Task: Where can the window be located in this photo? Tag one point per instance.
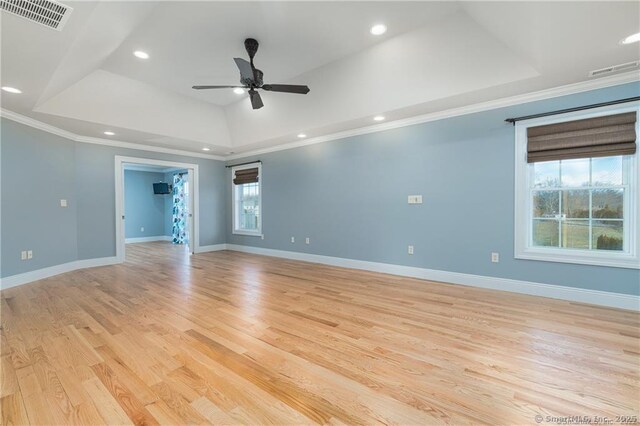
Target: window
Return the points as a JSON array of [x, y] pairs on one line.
[[577, 210], [247, 197]]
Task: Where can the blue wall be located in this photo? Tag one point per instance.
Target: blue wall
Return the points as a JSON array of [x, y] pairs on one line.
[[143, 208], [350, 197], [38, 168], [35, 177]]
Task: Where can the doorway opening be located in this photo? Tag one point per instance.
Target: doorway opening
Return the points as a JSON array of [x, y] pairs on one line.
[[156, 203]]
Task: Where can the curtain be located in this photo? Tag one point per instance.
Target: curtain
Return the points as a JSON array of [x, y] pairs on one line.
[[179, 210]]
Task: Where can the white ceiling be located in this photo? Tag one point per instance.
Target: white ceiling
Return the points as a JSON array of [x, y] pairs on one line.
[[434, 56]]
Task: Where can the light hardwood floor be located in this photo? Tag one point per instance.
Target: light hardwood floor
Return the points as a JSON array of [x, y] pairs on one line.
[[230, 338]]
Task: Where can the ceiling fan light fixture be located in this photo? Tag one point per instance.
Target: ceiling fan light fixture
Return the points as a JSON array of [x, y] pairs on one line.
[[11, 89], [302, 135], [206, 149], [378, 118], [633, 38], [378, 29], [238, 91], [109, 133], [141, 54]]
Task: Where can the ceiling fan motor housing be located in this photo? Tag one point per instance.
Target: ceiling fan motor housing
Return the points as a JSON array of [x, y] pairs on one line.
[[251, 45], [257, 82]]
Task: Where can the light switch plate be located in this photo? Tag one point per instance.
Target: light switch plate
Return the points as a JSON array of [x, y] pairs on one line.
[[63, 203], [414, 199], [410, 250], [29, 254], [307, 240], [495, 257], [23, 255]]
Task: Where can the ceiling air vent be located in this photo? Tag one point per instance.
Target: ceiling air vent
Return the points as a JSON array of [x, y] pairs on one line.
[[614, 68], [44, 12]]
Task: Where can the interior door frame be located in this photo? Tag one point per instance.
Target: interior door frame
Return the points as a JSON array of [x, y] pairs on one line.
[[194, 199]]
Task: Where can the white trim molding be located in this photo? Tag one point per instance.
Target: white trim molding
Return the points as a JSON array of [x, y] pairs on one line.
[[194, 198], [569, 89], [234, 204], [583, 86], [147, 239], [523, 246], [573, 294], [31, 122], [40, 274], [215, 247]]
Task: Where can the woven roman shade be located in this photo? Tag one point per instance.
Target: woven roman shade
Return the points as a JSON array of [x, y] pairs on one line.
[[246, 176], [592, 137]]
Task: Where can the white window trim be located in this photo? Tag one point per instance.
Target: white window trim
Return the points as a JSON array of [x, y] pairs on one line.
[[235, 230], [523, 211]]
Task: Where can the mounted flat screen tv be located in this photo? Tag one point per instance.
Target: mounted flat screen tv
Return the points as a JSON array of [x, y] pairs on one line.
[[161, 188]]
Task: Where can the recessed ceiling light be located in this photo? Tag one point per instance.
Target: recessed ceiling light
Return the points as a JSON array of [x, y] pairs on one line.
[[633, 38], [238, 91], [11, 89], [206, 149], [108, 133], [141, 54], [378, 118], [378, 29], [302, 135]]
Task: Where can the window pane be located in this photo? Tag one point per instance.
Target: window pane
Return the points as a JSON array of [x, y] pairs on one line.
[[575, 204], [607, 235], [248, 207], [545, 233], [607, 203], [575, 234], [546, 174], [546, 204], [575, 173], [606, 171]]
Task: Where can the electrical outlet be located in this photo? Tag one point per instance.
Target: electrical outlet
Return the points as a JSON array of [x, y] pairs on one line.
[[495, 257], [414, 199], [23, 255], [142, 229], [307, 240], [29, 254], [63, 203], [410, 249], [293, 239]]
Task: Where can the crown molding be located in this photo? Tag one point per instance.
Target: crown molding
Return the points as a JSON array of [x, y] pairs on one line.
[[31, 122], [569, 89]]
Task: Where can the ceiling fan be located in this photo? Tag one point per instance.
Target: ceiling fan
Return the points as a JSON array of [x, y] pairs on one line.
[[251, 78]]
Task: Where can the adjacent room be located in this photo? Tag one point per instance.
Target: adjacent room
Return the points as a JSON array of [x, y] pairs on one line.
[[319, 212], [157, 205]]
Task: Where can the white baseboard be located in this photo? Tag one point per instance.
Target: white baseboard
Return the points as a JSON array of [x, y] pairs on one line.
[[148, 239], [39, 274], [594, 297], [215, 247]]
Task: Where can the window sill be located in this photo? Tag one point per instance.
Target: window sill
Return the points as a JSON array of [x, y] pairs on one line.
[[617, 260], [248, 233]]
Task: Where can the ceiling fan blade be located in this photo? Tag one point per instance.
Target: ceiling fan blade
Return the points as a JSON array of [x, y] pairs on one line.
[[256, 100], [217, 87], [246, 70], [286, 88]]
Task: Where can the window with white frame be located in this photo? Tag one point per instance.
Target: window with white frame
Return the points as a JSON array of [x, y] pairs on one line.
[[247, 197], [578, 210]]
